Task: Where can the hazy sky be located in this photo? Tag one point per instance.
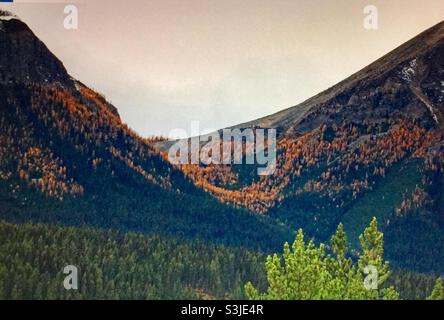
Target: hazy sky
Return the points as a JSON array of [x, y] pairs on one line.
[[164, 63]]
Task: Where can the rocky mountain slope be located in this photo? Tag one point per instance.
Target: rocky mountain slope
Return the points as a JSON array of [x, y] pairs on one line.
[[371, 145]]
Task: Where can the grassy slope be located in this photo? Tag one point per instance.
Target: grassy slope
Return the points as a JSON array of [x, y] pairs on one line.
[[382, 200]]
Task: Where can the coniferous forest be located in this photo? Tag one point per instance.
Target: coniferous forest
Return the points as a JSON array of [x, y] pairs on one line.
[[115, 265]]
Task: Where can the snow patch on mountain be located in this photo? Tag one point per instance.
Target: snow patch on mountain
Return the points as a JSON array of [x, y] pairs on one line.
[[7, 18], [408, 72], [6, 15]]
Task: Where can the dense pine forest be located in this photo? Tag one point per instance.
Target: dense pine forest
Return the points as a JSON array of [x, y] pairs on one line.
[[115, 265]]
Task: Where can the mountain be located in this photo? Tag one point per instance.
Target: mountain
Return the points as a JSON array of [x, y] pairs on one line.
[[397, 61], [67, 158], [372, 145]]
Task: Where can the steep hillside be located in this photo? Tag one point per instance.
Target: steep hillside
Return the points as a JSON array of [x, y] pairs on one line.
[[370, 146], [66, 157]]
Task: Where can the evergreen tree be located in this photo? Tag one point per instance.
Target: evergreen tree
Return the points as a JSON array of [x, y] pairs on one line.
[[438, 291], [306, 272], [371, 259]]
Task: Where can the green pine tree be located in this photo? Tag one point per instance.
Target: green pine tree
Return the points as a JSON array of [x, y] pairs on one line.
[[305, 271], [372, 245], [437, 292]]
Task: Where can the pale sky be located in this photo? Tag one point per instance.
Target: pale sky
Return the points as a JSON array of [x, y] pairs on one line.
[[165, 63]]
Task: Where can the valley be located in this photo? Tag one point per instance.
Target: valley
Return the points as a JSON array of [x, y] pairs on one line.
[[77, 183]]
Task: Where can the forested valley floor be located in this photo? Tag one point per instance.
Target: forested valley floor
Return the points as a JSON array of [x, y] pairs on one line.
[[115, 265]]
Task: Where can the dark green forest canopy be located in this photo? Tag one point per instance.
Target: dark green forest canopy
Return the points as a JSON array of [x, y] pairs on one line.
[[116, 265]]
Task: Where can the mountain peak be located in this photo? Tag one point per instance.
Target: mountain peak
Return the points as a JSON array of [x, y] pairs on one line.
[[426, 49], [26, 59], [4, 14]]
